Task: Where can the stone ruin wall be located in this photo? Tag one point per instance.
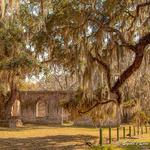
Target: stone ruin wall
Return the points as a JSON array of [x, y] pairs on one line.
[[40, 106], [44, 107]]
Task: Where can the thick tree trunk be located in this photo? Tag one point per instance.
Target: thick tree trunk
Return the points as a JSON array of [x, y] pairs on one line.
[[2, 106], [6, 103]]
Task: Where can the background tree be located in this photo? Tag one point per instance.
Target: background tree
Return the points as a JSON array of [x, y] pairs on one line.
[[16, 58]]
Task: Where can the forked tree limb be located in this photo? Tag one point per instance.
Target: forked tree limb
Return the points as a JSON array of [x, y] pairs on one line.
[[121, 37], [139, 54], [141, 5], [138, 49], [137, 13]]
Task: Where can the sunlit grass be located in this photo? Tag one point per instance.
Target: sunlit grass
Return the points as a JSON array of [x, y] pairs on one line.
[[66, 136], [41, 131]]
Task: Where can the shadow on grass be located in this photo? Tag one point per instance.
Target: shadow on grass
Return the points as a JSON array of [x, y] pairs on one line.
[[59, 142]]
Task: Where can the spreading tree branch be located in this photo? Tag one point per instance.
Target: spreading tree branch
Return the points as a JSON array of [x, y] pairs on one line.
[[141, 5], [139, 53], [97, 104], [137, 13], [121, 37]]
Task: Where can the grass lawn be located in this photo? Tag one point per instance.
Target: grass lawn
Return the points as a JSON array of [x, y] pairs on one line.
[[54, 137]]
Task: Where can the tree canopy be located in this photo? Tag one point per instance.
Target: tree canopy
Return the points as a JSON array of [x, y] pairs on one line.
[[103, 43]]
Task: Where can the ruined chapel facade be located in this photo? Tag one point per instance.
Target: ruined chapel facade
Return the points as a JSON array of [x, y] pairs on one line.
[[40, 106], [43, 107]]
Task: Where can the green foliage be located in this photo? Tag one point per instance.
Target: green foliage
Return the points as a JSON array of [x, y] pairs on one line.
[[81, 37], [140, 118], [16, 60], [110, 147], [92, 40]]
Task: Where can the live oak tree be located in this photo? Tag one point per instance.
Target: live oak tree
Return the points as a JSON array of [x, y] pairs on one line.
[[15, 63], [102, 42], [16, 59]]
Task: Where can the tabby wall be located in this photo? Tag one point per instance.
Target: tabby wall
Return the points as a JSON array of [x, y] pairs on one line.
[[40, 106], [44, 107]]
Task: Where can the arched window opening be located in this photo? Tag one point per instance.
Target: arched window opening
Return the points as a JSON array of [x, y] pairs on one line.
[[40, 109], [16, 110]]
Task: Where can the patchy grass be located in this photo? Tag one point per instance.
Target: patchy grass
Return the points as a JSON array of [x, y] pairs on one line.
[[54, 137], [107, 147], [33, 137]]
